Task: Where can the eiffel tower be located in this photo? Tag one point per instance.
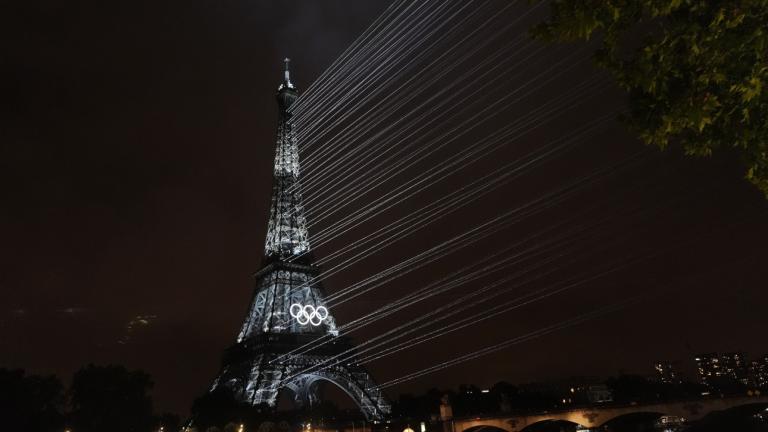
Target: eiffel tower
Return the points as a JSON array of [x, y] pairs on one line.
[[288, 309]]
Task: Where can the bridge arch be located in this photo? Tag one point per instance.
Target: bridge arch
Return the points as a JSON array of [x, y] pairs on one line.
[[552, 425], [486, 428], [636, 416], [484, 425]]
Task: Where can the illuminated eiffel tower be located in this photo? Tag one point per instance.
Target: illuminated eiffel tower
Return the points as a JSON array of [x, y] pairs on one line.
[[288, 309]]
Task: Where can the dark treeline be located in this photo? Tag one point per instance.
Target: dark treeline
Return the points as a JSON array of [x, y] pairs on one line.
[[99, 398]]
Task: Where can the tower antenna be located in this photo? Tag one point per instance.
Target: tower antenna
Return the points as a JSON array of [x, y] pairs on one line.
[[287, 61]]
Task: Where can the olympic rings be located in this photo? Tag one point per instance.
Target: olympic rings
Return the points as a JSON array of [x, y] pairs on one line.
[[308, 314]]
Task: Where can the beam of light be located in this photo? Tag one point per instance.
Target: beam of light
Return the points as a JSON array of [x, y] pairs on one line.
[[345, 56], [433, 212], [382, 58], [403, 19], [390, 200], [384, 63], [449, 282], [408, 328], [497, 263], [321, 88], [439, 210], [481, 231], [412, 87], [444, 285], [470, 236], [428, 113], [451, 309], [437, 143], [498, 309], [485, 266], [616, 306], [426, 258], [458, 306], [456, 200], [340, 151], [486, 314], [500, 222], [511, 342]]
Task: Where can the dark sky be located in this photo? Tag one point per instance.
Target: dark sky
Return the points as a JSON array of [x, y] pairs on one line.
[[136, 146]]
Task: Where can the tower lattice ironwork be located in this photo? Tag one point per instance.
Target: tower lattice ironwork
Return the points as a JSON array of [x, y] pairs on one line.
[[288, 309]]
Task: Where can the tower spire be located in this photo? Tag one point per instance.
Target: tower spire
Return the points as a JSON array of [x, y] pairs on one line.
[[286, 76], [287, 232]]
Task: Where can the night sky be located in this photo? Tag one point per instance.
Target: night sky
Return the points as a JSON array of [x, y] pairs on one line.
[[136, 148]]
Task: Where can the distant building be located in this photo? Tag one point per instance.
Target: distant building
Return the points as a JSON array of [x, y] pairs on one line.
[[718, 370], [734, 366], [599, 393], [667, 373], [576, 390], [758, 370], [708, 368]]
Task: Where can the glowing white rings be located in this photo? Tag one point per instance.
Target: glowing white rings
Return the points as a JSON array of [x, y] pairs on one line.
[[308, 314]]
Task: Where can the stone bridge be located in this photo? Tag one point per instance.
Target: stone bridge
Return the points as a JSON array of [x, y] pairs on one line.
[[596, 416]]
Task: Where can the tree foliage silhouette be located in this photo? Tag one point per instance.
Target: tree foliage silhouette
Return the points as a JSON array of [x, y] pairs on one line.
[[697, 78], [111, 398], [29, 402]]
